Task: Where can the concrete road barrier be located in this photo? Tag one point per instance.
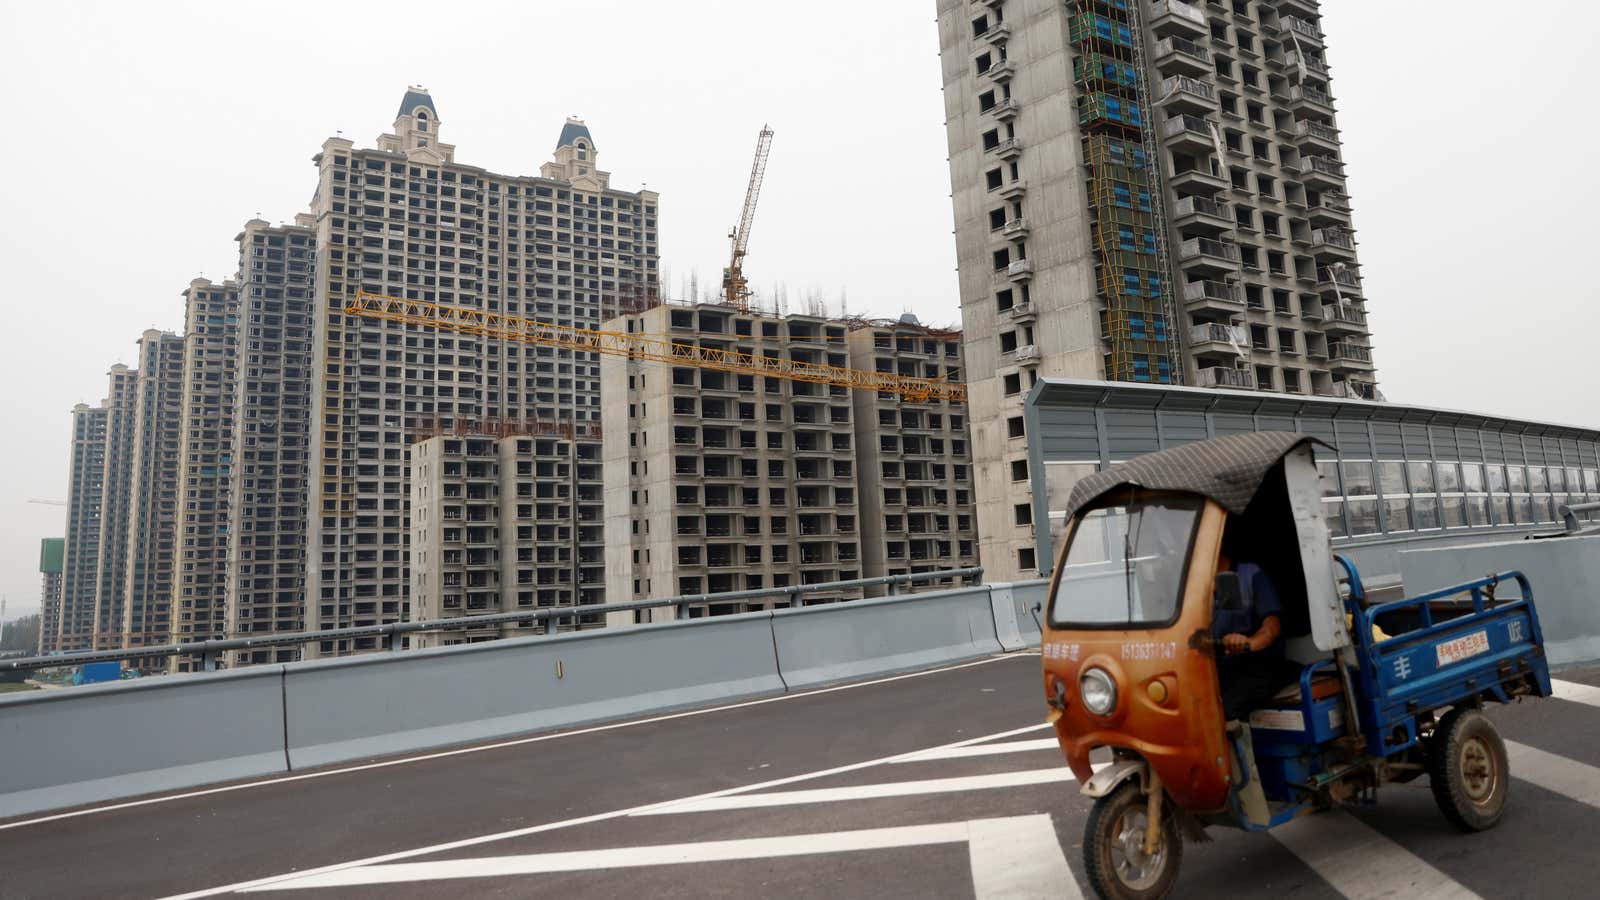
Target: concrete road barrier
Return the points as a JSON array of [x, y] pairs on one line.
[[99, 742], [1564, 574], [824, 644], [365, 706]]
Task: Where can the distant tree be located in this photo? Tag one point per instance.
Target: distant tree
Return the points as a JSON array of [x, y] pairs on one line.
[[21, 634]]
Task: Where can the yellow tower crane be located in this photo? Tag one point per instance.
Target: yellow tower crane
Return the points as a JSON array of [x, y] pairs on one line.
[[735, 289], [637, 346]]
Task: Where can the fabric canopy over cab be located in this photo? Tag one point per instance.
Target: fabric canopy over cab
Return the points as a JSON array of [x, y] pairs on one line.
[[1229, 470]]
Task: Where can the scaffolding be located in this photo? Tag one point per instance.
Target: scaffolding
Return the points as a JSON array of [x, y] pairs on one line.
[[1137, 321]]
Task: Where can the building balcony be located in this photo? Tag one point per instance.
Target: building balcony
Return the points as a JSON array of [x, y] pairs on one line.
[[1000, 72], [998, 33], [1020, 270], [1014, 229], [1322, 173], [1029, 355], [1302, 29], [1023, 312], [1190, 133], [1217, 339], [1334, 244], [1012, 190], [1337, 319], [1197, 181], [1351, 390], [1308, 133], [1226, 377], [1312, 66], [1202, 214], [1342, 355], [1212, 296], [1180, 93], [1175, 18], [1181, 56], [1010, 148], [1206, 256], [1004, 111], [1338, 282], [1330, 209], [1303, 98]]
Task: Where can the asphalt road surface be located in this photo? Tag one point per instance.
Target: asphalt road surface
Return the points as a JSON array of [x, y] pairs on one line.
[[937, 784]]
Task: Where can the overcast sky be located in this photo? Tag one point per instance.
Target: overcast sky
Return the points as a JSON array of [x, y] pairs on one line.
[[138, 137]]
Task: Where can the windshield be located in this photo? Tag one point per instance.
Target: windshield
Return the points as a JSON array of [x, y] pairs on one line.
[[1125, 564]]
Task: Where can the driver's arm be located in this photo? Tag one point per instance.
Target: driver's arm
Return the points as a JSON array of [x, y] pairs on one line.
[[1266, 635]]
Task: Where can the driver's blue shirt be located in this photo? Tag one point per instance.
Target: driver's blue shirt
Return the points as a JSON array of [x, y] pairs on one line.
[[1260, 600]]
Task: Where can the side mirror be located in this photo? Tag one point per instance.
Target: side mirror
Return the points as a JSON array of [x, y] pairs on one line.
[[1229, 593]]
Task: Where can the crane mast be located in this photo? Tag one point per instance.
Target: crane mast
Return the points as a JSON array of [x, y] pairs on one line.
[[735, 288], [637, 346]]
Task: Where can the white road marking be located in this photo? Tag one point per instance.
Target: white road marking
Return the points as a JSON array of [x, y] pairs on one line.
[[585, 820], [633, 857], [984, 750], [1019, 859], [499, 745], [1361, 863], [1559, 774], [866, 791], [1576, 692]]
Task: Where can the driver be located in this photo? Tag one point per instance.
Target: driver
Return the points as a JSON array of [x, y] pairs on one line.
[[1251, 641]]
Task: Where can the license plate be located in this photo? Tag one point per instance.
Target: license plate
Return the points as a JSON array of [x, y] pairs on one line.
[[1464, 647]]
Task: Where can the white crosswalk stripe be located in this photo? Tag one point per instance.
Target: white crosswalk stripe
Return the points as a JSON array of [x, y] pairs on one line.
[[1360, 863], [868, 791], [1558, 774], [1575, 692], [982, 750]]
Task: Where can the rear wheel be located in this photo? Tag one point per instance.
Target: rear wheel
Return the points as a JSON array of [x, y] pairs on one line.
[[1113, 848], [1468, 769]]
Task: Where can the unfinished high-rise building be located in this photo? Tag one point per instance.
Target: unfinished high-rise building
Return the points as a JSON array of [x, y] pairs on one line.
[[116, 482], [1147, 192], [153, 491], [720, 481], [271, 437], [502, 524], [405, 219], [80, 574], [52, 556], [205, 461]]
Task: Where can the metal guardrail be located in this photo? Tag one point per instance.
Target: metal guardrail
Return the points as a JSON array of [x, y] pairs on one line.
[[210, 652], [1569, 515]]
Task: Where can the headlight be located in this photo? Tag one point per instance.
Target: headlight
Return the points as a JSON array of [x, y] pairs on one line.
[[1098, 691]]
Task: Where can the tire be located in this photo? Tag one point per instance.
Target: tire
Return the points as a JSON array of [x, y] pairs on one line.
[[1113, 848], [1468, 769]]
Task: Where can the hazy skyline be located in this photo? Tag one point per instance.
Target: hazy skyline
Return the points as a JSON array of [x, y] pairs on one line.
[[140, 137]]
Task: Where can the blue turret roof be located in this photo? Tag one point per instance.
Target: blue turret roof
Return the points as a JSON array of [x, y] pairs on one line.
[[415, 98], [570, 133]]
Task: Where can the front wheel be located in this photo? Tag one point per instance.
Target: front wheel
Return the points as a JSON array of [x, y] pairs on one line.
[[1113, 848], [1468, 769]]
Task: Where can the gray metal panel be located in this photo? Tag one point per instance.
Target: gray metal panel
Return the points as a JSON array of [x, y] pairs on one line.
[[1415, 437], [365, 706], [1226, 423], [1182, 427], [1386, 439], [99, 742], [1444, 442], [1275, 422], [820, 645], [1494, 449], [1067, 433], [1130, 433], [1318, 425], [1469, 443], [1354, 441]]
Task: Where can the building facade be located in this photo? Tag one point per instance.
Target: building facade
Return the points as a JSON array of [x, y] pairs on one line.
[[405, 219], [264, 584], [1144, 192], [211, 322], [502, 524], [153, 492], [80, 575], [52, 558], [110, 598]]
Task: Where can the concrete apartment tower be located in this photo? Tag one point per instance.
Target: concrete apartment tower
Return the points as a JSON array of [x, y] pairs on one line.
[[719, 481], [405, 219], [116, 482], [1146, 192], [81, 563], [52, 555], [205, 461], [153, 491], [271, 438]]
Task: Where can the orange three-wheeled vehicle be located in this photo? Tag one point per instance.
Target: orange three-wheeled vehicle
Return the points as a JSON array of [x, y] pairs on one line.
[[1131, 662]]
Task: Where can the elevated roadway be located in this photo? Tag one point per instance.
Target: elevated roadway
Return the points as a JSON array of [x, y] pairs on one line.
[[936, 784]]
